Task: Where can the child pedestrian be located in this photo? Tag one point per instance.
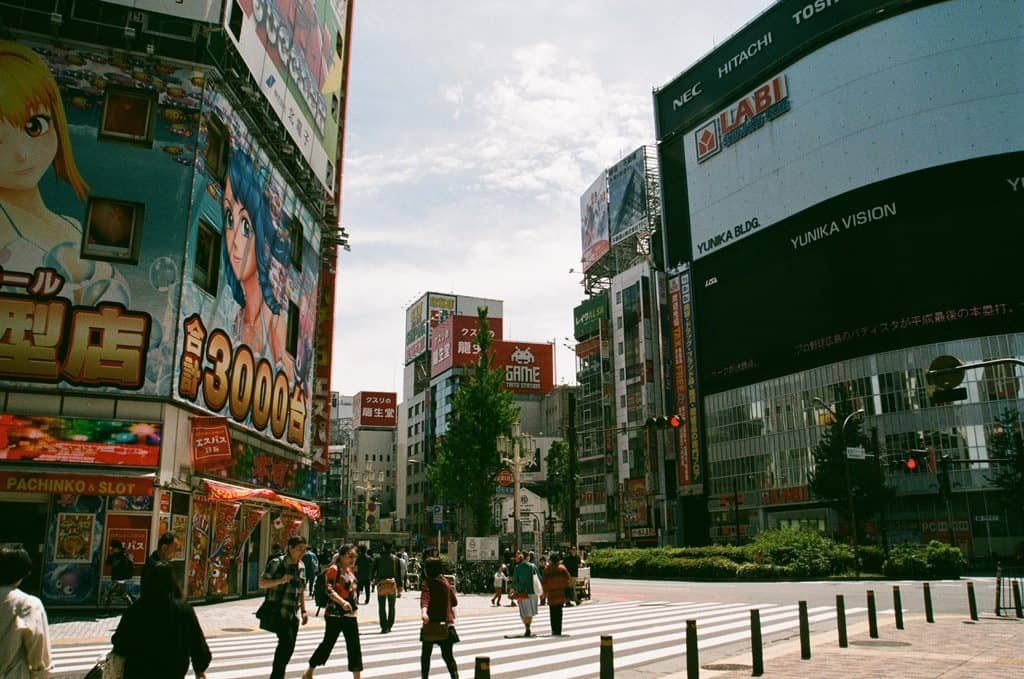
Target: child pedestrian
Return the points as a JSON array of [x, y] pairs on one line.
[[499, 584]]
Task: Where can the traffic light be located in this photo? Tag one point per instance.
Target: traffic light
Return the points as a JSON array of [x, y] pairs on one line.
[[664, 422], [917, 462]]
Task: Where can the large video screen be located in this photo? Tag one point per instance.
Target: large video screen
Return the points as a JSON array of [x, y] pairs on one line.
[[928, 256]]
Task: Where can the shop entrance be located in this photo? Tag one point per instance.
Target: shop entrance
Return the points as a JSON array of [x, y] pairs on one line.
[[25, 524]]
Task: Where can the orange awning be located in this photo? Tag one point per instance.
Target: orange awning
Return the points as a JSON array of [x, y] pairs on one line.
[[220, 491]]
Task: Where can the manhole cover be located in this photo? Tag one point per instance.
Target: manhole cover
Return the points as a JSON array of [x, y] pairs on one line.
[[882, 643], [236, 629], [726, 667]]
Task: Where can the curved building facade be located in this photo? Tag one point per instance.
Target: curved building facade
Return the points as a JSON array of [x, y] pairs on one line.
[[843, 195]]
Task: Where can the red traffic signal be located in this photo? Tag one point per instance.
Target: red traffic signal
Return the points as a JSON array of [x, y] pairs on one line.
[[673, 421], [664, 422], [910, 464]]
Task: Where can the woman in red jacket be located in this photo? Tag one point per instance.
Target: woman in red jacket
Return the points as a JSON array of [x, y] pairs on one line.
[[436, 603], [555, 581], [340, 617]]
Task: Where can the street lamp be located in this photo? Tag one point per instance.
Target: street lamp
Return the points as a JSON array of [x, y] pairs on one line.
[[367, 487], [515, 445], [846, 467]]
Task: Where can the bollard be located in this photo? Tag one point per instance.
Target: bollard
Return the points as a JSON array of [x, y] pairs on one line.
[[1016, 599], [929, 615], [692, 658], [607, 658], [805, 633], [872, 615], [841, 620], [897, 604], [482, 669], [756, 650], [972, 603]]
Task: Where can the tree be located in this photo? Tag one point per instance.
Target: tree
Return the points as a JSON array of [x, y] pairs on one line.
[[557, 486], [828, 479], [467, 461], [1007, 447]]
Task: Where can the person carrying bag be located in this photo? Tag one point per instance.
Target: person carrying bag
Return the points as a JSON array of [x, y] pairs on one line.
[[285, 581], [340, 617], [437, 603]]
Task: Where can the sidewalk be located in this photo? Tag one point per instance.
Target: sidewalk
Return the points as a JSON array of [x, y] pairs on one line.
[[233, 617], [992, 648]]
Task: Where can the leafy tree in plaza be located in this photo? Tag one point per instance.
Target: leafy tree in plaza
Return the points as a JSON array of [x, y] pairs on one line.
[[1006, 445], [467, 462], [828, 481], [557, 487]]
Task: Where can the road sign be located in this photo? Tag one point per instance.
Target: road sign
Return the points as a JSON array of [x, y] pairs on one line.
[[855, 452], [438, 512], [945, 372], [505, 478]]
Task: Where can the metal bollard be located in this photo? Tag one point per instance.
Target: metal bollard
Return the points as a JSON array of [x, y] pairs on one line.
[[872, 615], [1016, 599], [482, 669], [929, 614], [841, 620], [607, 658], [897, 604], [692, 657], [972, 602], [805, 633], [756, 650]]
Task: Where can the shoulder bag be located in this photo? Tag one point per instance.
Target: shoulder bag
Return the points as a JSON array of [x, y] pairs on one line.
[[538, 588], [435, 631], [269, 612]]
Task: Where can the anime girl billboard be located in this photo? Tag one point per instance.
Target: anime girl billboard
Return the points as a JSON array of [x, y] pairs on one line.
[[246, 349]]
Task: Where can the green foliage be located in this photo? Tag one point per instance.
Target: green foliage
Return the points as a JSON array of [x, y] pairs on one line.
[[806, 553], [1006, 446], [557, 487], [467, 460], [934, 560], [763, 571], [871, 558]]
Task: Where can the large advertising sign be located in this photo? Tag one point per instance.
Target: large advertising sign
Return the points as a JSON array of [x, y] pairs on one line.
[[453, 343], [925, 257], [684, 378], [789, 27], [427, 313], [594, 221], [73, 440], [320, 408], [627, 195], [863, 108], [71, 316], [529, 367], [294, 50], [375, 409], [245, 343], [200, 10], [587, 316]]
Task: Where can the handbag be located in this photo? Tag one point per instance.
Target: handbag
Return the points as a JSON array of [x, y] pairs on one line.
[[435, 631], [538, 588], [387, 587], [269, 615]]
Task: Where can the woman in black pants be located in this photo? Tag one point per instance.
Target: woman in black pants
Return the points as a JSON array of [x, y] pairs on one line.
[[436, 603], [340, 617]]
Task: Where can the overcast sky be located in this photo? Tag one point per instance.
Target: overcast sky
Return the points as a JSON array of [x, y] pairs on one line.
[[473, 128]]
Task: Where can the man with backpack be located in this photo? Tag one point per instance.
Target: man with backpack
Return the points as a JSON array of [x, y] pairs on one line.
[[387, 575], [312, 564]]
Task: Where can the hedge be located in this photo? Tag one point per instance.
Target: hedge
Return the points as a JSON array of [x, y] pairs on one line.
[[934, 560]]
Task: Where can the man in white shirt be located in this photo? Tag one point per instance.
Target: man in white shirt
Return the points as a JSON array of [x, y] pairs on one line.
[[24, 631]]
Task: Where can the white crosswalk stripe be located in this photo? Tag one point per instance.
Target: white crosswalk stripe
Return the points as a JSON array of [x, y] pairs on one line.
[[643, 632]]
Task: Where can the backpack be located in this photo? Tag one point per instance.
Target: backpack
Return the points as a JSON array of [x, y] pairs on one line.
[[320, 590]]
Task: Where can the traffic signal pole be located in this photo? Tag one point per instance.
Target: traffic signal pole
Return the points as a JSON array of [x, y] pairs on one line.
[[572, 522]]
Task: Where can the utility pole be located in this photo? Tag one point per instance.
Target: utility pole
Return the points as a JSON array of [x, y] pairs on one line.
[[573, 532], [846, 472], [515, 445]]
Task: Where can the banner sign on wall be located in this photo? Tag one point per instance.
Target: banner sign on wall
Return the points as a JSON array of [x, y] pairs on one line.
[[587, 316], [627, 195], [421, 318], [594, 221], [375, 409], [75, 440], [75, 484], [222, 546], [211, 443], [320, 412], [684, 382], [453, 342], [529, 367], [251, 517], [133, 532], [200, 547]]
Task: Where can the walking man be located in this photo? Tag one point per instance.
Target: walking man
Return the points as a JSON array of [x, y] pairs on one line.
[[120, 573], [364, 572], [387, 573], [572, 564], [166, 548], [287, 576], [312, 564]]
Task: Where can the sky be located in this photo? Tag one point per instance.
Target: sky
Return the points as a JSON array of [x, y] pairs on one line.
[[473, 128]]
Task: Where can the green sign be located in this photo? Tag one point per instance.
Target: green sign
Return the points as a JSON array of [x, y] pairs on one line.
[[587, 316]]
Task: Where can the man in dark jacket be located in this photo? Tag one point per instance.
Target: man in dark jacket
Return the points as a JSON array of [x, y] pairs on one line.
[[572, 564], [166, 548], [312, 564], [364, 572], [120, 573], [387, 576]]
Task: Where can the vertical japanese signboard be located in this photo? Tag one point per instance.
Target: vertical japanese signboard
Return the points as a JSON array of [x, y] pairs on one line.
[[685, 382], [453, 343]]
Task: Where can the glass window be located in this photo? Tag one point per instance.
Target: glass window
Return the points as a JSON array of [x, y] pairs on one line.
[[127, 115], [216, 154], [113, 230], [292, 342], [207, 262], [295, 238]]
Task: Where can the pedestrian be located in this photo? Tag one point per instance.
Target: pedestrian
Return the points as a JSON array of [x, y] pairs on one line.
[[572, 564], [387, 571], [166, 549], [286, 575], [499, 584], [556, 582], [541, 567], [159, 635], [340, 618], [24, 631], [526, 594], [121, 571], [312, 564], [364, 571], [437, 603]]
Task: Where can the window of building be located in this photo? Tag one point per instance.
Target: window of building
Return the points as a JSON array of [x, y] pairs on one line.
[[113, 230], [216, 153], [128, 115], [292, 341], [235, 20], [621, 349], [295, 237], [618, 296], [618, 322], [207, 262]]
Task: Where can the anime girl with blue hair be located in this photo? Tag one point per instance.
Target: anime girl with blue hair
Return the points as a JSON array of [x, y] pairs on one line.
[[251, 248]]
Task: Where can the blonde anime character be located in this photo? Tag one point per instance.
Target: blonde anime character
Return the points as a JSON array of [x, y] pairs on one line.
[[33, 138]]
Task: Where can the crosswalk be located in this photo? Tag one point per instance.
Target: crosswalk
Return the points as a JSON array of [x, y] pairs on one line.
[[643, 632]]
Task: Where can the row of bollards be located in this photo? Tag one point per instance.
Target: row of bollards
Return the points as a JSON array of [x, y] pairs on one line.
[[607, 664]]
